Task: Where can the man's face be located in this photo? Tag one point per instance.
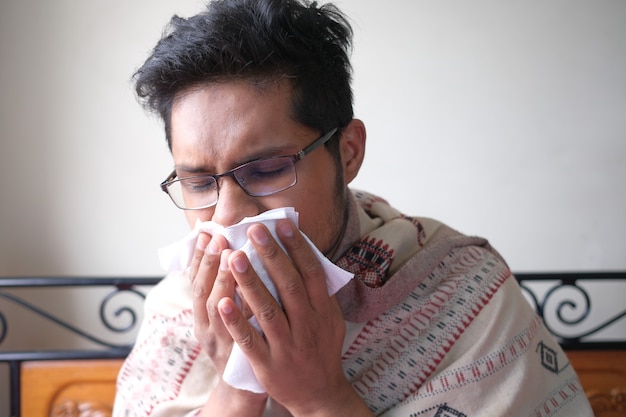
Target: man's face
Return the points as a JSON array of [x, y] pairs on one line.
[[219, 126]]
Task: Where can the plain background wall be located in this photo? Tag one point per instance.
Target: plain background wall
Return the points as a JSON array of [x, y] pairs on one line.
[[502, 119], [506, 120]]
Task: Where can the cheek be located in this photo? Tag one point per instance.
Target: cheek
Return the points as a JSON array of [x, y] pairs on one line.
[[318, 216]]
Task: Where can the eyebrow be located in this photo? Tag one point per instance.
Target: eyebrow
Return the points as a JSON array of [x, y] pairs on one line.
[[271, 152], [190, 169]]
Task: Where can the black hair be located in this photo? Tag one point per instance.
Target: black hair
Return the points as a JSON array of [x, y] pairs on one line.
[[259, 41]]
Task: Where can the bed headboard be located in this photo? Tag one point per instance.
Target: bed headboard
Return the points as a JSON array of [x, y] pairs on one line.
[[575, 307], [92, 322], [66, 323], [586, 312]]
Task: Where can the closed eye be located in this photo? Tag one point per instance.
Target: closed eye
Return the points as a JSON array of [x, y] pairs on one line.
[[266, 170], [198, 184]]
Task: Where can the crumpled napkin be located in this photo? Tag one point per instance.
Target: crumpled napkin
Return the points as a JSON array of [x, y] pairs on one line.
[[177, 257]]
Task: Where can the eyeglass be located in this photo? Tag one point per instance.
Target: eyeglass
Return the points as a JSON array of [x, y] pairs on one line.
[[258, 178]]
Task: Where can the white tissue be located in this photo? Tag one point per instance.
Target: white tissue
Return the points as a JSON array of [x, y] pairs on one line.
[[177, 256]]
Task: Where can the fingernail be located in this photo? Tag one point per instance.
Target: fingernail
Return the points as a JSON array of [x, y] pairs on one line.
[[240, 264], [285, 228], [201, 241], [225, 306], [224, 261], [213, 247], [259, 235]]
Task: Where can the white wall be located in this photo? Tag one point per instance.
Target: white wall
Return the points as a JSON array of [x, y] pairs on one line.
[[504, 119], [508, 118]]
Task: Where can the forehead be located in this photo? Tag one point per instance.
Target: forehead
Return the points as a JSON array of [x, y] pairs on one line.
[[217, 125], [219, 104]]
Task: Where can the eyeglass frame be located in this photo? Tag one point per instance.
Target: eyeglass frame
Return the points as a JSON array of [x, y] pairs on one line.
[[298, 156]]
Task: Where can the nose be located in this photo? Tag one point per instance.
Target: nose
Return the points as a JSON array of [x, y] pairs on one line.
[[233, 203]]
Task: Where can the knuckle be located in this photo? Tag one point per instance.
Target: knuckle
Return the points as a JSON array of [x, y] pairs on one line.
[[268, 314], [206, 259], [221, 282], [197, 256], [210, 347], [293, 286], [313, 267], [252, 283], [271, 252], [199, 290], [208, 343], [245, 341], [212, 310]]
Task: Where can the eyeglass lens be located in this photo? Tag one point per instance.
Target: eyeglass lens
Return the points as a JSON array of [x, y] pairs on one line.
[[257, 178]]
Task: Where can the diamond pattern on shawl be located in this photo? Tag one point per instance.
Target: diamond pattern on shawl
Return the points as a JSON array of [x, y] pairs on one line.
[[370, 260]]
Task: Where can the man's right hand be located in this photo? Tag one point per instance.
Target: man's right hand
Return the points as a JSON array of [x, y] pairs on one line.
[[210, 284]]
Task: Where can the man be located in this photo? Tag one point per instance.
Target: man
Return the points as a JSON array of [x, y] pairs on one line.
[[257, 106]]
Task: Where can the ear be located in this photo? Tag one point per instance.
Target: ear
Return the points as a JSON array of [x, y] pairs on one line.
[[352, 149]]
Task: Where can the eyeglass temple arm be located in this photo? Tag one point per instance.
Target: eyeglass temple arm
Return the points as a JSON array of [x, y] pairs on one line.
[[304, 152], [168, 179]]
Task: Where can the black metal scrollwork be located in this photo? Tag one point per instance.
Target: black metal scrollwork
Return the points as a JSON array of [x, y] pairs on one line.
[[118, 320], [125, 310], [566, 307], [3, 327]]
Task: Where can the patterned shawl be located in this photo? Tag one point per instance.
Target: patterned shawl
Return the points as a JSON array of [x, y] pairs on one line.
[[392, 255], [439, 329], [447, 331]]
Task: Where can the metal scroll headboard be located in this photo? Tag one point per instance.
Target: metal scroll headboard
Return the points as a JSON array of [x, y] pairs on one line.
[[572, 305], [582, 310], [116, 305]]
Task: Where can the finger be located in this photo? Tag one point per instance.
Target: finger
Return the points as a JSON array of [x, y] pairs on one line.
[[250, 341], [279, 267], [299, 279], [261, 302], [224, 286], [198, 253], [205, 266], [305, 261]]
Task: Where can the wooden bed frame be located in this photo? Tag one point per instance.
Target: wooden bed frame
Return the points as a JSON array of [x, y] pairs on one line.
[[81, 382]]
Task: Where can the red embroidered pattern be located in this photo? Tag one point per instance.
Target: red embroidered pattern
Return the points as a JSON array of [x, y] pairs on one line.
[[367, 200], [369, 260], [397, 352], [559, 398], [419, 228], [157, 367], [484, 367]]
